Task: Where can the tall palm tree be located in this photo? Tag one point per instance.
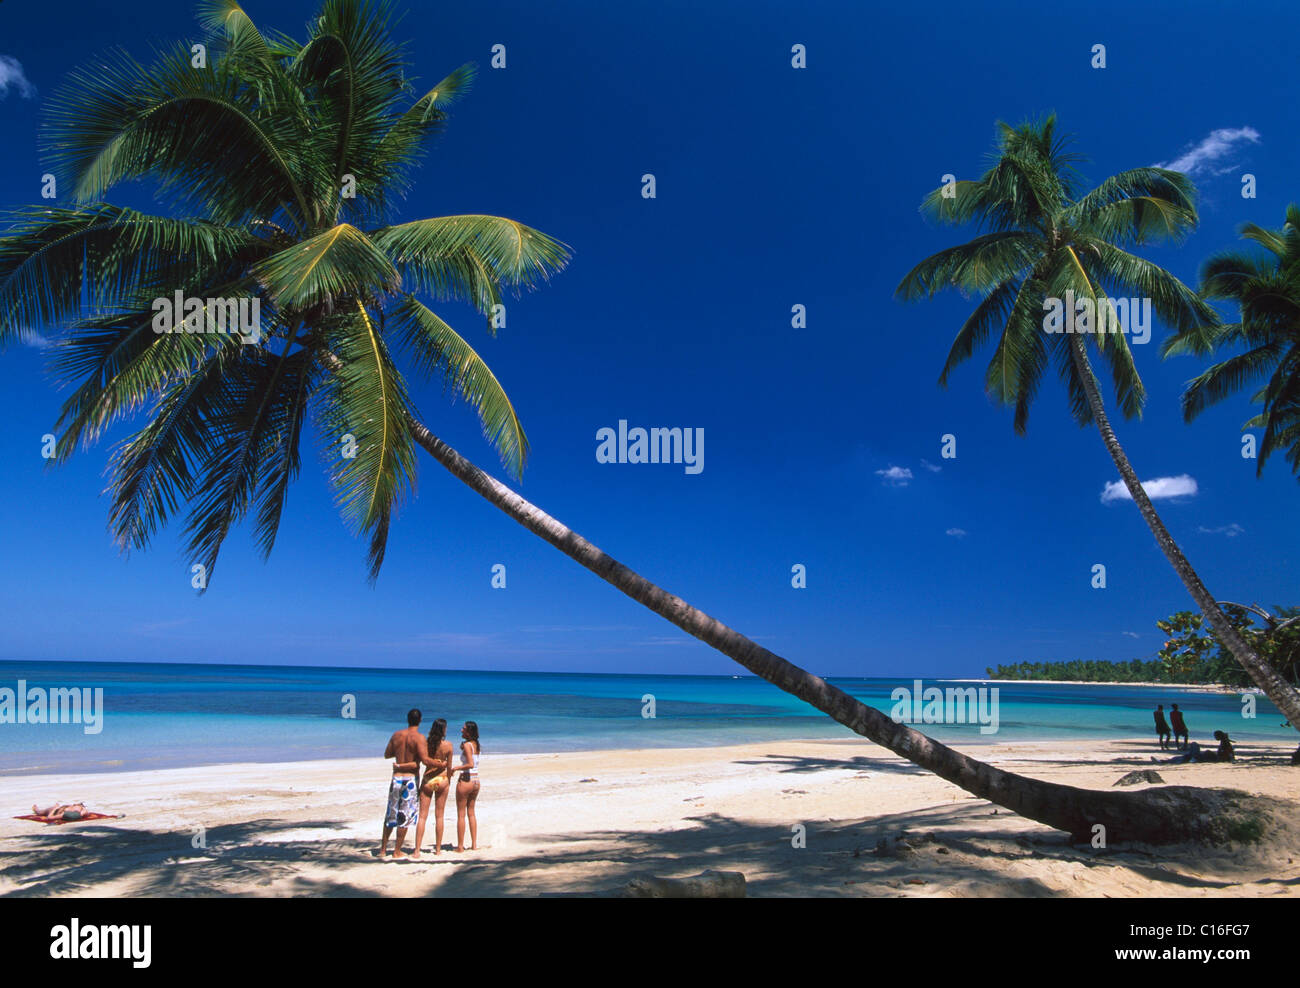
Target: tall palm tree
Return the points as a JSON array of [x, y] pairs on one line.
[[1266, 290], [1046, 238], [255, 148]]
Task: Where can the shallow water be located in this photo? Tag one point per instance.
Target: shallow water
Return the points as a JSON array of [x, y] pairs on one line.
[[159, 715]]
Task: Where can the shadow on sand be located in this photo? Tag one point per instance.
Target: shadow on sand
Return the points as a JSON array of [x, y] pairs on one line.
[[950, 849]]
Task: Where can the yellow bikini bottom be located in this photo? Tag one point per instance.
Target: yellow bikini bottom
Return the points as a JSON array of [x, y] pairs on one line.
[[438, 782]]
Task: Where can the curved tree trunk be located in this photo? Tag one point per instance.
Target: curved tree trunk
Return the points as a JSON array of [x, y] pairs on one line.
[[1162, 815], [1277, 689]]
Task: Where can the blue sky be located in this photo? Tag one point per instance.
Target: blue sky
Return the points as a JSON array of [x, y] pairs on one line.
[[776, 187]]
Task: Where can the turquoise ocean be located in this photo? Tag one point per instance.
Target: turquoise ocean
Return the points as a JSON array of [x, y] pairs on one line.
[[162, 715]]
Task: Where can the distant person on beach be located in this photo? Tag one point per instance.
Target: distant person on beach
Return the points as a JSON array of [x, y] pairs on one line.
[[1226, 754], [467, 786], [408, 751], [61, 811], [436, 785], [1193, 754], [1180, 726], [1162, 727]]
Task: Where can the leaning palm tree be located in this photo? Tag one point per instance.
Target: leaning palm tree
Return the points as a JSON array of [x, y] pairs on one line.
[[1047, 242], [254, 148], [1266, 290]]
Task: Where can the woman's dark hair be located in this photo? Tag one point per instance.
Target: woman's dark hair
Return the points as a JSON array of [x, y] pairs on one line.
[[437, 731], [472, 729]]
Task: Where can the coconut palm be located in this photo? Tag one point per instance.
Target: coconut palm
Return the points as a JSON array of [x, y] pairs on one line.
[[1047, 241], [1266, 290], [254, 149]]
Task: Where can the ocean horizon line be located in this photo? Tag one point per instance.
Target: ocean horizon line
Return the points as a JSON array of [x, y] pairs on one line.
[[742, 674], [143, 714]]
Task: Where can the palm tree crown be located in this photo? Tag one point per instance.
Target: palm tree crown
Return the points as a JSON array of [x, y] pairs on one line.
[[257, 143], [1043, 238], [1266, 288]]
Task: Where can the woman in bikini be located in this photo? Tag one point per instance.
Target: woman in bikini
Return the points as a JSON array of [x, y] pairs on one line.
[[467, 786], [436, 785]]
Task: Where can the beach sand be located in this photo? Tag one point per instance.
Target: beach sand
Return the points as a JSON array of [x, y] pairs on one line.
[[588, 821]]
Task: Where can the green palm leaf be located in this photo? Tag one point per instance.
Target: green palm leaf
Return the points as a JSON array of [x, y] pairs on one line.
[[1265, 288], [368, 412], [341, 261], [470, 257], [249, 152], [439, 349]]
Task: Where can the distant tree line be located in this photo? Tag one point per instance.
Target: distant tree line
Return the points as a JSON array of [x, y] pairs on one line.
[[1088, 671], [1191, 653]]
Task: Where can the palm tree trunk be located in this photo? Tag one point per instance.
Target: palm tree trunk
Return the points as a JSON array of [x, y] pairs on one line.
[[1276, 688], [1157, 815]]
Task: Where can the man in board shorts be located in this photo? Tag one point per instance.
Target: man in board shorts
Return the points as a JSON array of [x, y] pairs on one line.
[[403, 809]]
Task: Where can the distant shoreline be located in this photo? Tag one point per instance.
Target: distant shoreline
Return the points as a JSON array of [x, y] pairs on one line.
[[1200, 687]]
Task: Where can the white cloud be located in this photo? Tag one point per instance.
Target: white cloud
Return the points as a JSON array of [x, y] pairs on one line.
[[930, 466], [1205, 155], [11, 76], [895, 476], [1184, 485], [1130, 634], [1231, 530], [31, 338], [956, 533]]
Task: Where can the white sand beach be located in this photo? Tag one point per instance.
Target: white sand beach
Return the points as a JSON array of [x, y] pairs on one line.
[[582, 822]]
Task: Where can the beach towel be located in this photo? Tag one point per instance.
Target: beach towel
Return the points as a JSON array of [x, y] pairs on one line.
[[82, 819]]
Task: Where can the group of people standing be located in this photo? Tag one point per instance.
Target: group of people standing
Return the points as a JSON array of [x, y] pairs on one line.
[[409, 796], [1162, 728]]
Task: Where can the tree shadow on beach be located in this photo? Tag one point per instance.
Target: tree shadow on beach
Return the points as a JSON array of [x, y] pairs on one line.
[[947, 851], [59, 862], [861, 763]]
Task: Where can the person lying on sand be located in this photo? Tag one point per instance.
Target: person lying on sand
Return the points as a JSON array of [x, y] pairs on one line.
[[1195, 753], [61, 811]]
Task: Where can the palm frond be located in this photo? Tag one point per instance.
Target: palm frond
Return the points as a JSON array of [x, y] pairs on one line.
[[341, 261], [439, 349], [368, 402], [468, 257]]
